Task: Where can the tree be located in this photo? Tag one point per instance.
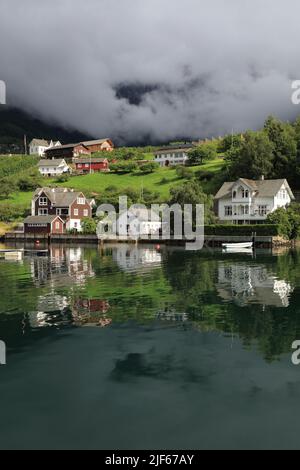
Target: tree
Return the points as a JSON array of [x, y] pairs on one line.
[[184, 172], [253, 159], [202, 153], [192, 193], [149, 167], [89, 226], [283, 137]]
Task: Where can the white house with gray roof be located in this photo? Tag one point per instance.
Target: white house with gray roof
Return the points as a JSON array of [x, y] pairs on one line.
[[39, 146], [53, 167], [251, 201]]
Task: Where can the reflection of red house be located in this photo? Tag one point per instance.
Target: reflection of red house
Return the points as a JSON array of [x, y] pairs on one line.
[[92, 305], [91, 165]]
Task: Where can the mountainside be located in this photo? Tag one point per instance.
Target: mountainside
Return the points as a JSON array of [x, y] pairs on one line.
[[14, 124]]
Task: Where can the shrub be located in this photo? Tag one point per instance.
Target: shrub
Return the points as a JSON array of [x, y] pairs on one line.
[[10, 213], [268, 230], [124, 167], [89, 226], [149, 167], [184, 172]]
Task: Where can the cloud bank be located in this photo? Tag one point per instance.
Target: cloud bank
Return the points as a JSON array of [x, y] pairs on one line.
[[151, 69]]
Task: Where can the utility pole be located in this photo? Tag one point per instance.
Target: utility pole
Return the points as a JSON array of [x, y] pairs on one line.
[[25, 144]]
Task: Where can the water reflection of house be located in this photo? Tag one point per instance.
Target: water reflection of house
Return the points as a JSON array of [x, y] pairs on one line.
[[252, 284], [64, 266], [52, 310], [130, 258], [172, 316], [91, 312]]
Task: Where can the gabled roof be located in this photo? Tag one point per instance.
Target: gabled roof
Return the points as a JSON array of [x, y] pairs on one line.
[[39, 142], [96, 142], [90, 160], [41, 219], [263, 188], [59, 197], [67, 146], [51, 163], [174, 149]]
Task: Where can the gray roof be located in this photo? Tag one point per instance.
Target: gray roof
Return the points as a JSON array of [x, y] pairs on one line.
[[51, 163], [95, 142], [90, 160], [40, 219], [40, 142], [175, 149], [59, 197], [263, 188], [67, 146]]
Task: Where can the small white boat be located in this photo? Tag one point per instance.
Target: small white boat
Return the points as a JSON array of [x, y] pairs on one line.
[[238, 246]]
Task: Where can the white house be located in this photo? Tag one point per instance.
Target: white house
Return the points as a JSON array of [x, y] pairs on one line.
[[171, 156], [138, 222], [39, 146], [135, 223], [251, 201], [246, 284], [53, 167]]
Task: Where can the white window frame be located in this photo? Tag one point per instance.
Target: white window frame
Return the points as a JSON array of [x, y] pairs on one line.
[[43, 201], [76, 212]]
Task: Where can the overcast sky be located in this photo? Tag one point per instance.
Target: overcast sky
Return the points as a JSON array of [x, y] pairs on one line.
[[209, 65]]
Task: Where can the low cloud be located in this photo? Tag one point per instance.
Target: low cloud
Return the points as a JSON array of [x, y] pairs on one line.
[[151, 69]]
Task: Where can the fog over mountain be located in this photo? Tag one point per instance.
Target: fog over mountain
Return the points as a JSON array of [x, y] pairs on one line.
[[151, 70]]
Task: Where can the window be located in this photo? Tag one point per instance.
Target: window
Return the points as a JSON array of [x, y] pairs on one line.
[[43, 201], [262, 210], [283, 194], [79, 165], [85, 213], [75, 211], [43, 211], [234, 195], [86, 165], [57, 225], [81, 200], [245, 193], [228, 210]]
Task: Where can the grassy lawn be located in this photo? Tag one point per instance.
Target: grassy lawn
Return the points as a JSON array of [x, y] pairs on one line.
[[160, 181]]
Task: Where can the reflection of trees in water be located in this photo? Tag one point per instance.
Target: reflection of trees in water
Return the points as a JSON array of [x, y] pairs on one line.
[[269, 321]]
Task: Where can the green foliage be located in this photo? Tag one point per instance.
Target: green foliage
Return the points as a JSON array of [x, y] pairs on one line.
[[253, 158], [192, 193], [148, 168], [13, 165], [288, 220], [268, 230], [283, 137], [10, 213], [89, 226], [123, 167], [64, 178], [30, 182], [229, 142], [184, 172], [202, 153]]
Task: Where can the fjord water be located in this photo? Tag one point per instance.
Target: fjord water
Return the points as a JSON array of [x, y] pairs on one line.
[[132, 348]]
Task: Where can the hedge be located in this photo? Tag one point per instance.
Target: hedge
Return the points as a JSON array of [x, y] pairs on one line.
[[262, 230]]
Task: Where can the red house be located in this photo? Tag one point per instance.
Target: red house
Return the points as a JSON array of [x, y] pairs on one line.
[[91, 165], [100, 145], [44, 225]]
